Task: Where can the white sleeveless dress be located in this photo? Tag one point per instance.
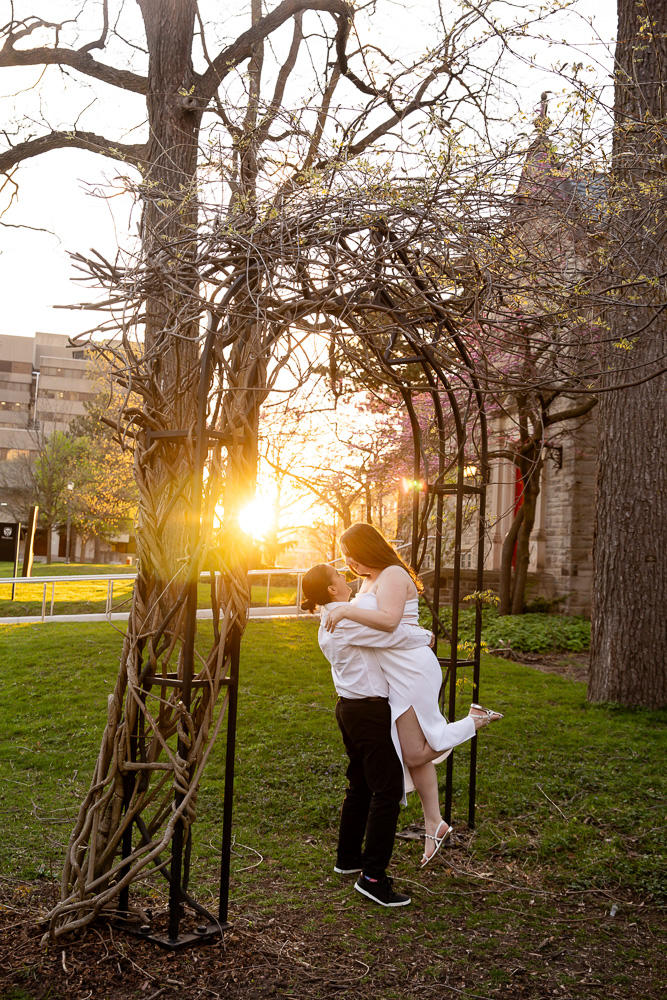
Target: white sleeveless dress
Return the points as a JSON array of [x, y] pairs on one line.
[[414, 678]]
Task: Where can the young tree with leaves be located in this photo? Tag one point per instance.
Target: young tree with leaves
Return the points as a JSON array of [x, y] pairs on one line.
[[49, 477], [104, 500]]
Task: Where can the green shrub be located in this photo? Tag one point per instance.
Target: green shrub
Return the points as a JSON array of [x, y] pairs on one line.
[[528, 633]]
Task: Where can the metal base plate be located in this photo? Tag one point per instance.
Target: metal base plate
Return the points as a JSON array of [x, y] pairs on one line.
[[205, 934]]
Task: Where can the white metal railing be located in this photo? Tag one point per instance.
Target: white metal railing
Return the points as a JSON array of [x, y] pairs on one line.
[[276, 610], [48, 599]]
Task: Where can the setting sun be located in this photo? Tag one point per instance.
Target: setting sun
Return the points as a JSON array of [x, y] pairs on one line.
[[257, 518]]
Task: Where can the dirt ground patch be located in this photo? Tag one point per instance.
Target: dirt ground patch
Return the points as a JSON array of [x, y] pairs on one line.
[[573, 949], [574, 666]]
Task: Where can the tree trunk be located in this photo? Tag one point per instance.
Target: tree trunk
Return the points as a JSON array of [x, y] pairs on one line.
[[530, 495], [175, 515], [71, 549], [629, 641], [505, 583]]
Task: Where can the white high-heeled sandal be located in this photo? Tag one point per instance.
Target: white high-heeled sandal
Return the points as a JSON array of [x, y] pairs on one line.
[[439, 841], [490, 713]]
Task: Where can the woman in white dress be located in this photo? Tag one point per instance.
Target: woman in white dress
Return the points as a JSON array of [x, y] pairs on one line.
[[388, 596]]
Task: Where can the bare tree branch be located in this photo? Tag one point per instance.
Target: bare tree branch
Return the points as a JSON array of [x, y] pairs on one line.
[[78, 59], [101, 41], [572, 413], [134, 154], [242, 48]]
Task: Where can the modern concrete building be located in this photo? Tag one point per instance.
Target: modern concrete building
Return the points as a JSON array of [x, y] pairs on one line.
[[44, 384]]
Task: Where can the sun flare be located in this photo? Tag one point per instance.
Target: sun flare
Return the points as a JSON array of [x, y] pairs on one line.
[[257, 518]]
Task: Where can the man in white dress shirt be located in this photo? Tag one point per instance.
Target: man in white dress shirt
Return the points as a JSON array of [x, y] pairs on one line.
[[375, 775]]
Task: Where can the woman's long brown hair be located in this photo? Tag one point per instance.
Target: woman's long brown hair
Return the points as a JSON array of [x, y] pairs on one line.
[[365, 544]]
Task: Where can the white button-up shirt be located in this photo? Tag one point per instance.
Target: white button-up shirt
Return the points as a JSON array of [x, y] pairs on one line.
[[349, 649]]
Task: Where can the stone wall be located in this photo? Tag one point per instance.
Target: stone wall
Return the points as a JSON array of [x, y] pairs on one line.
[[561, 561], [539, 584], [569, 515]]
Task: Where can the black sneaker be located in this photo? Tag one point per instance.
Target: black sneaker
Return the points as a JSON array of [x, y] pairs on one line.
[[381, 891], [344, 870]]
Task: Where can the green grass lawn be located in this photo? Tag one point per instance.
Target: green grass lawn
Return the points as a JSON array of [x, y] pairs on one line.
[[70, 598], [83, 597], [571, 812], [69, 569]]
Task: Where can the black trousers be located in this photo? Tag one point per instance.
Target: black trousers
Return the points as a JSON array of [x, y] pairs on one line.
[[375, 786]]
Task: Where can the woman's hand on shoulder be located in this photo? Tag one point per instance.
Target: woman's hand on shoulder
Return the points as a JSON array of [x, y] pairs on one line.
[[334, 616]]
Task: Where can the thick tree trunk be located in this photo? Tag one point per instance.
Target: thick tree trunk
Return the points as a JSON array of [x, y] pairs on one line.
[[629, 650], [345, 511], [629, 644], [170, 199]]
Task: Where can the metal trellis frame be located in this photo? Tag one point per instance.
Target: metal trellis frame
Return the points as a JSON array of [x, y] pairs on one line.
[[440, 386]]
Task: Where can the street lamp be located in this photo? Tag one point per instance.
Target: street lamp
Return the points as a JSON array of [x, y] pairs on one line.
[[70, 487]]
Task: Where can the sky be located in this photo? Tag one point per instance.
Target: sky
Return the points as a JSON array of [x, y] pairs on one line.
[[60, 207]]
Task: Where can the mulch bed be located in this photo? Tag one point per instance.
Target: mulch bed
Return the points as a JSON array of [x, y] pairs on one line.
[[264, 957]]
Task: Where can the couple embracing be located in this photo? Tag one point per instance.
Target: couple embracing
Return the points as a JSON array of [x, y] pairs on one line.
[[388, 682]]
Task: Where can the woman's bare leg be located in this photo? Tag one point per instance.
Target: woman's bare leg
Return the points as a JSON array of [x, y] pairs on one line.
[[418, 756], [426, 785], [415, 747]]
